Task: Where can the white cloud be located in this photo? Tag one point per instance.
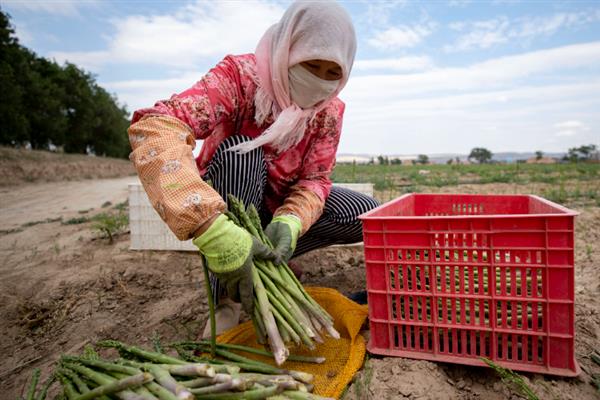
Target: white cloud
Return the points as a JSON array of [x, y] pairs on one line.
[[378, 13], [457, 26], [88, 60], [570, 128], [457, 123], [573, 124], [534, 26], [487, 33], [508, 103], [400, 36], [186, 37], [455, 109], [568, 132], [143, 93], [68, 8], [402, 64], [484, 34], [491, 74], [491, 104], [459, 3]]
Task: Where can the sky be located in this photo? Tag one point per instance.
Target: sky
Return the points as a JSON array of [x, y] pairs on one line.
[[429, 77]]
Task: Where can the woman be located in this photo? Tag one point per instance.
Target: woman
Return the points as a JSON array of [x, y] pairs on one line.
[[271, 123]]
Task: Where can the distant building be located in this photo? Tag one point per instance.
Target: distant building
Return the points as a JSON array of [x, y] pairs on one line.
[[543, 160]]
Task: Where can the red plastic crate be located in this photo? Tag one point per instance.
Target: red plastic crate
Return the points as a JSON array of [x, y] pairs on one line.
[[457, 277]]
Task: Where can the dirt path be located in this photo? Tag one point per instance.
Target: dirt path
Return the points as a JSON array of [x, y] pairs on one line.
[[39, 202]]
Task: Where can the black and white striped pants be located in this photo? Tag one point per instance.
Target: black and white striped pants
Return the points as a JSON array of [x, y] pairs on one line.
[[245, 177]]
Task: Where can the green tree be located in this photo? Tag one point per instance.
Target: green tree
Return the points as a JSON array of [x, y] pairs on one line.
[[43, 100], [582, 153], [481, 155], [422, 159], [13, 120], [80, 108], [539, 155], [110, 123], [43, 103], [383, 160]]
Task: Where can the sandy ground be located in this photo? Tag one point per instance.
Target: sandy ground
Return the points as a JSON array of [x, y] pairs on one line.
[[40, 202], [20, 166], [61, 287]]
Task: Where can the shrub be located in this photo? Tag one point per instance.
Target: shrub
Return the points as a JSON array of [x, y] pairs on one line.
[[109, 225]]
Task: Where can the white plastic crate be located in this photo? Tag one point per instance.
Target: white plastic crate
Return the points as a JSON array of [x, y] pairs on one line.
[[364, 188], [149, 232]]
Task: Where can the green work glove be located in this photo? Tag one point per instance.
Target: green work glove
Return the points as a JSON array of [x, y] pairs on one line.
[[229, 251], [283, 232]]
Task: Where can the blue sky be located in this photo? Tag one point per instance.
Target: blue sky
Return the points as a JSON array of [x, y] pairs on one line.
[[429, 77]]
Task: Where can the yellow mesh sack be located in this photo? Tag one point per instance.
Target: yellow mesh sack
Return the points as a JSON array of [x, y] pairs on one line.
[[343, 356]]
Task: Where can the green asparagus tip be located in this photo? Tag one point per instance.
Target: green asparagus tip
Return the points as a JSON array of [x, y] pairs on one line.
[[89, 352], [110, 343]]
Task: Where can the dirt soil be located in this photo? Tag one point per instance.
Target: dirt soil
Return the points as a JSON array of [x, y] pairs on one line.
[[62, 287], [21, 166], [43, 202]]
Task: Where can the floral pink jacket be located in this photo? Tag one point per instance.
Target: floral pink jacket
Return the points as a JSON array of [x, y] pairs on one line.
[[221, 104]]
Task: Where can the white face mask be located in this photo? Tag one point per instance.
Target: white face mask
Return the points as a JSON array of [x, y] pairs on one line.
[[307, 89]]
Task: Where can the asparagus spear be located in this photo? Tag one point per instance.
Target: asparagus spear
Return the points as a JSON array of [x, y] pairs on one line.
[[102, 379], [35, 377], [234, 384], [253, 365], [230, 346], [82, 387], [259, 327], [203, 381], [44, 391], [280, 352], [68, 388], [117, 386], [211, 307], [256, 394], [138, 352]]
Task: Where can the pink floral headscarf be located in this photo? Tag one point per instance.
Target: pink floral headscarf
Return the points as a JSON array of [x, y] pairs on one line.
[[308, 30]]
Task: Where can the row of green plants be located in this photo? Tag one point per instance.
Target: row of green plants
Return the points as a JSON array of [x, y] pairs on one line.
[[573, 184], [386, 176]]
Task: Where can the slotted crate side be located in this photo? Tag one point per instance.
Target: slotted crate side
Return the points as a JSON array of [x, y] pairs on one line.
[[423, 204], [148, 231], [456, 290], [450, 204]]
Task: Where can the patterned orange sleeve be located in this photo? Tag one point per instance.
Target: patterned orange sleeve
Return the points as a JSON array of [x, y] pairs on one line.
[[307, 197], [304, 204], [162, 155]]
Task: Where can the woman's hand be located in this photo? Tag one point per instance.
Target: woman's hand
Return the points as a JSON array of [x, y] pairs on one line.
[[283, 232], [229, 251]]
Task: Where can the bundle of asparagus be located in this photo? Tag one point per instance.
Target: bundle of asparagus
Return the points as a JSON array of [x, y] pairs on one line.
[[146, 375], [283, 311]]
